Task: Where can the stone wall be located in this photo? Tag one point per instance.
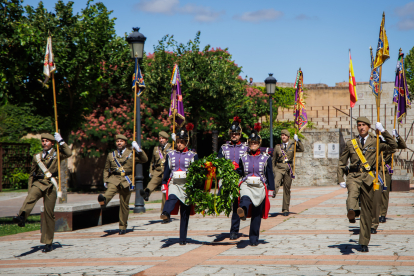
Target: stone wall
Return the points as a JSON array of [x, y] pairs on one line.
[[312, 171]]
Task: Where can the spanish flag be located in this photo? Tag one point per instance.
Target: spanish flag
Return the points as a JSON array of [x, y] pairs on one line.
[[383, 49], [352, 83]]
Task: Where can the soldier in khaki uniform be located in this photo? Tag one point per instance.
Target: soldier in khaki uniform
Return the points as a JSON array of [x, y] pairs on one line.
[[43, 183], [119, 178], [381, 198], [282, 165], [360, 179], [157, 167]]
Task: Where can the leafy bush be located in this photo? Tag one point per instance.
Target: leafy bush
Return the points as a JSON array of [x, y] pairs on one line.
[[35, 145], [19, 179], [20, 120]]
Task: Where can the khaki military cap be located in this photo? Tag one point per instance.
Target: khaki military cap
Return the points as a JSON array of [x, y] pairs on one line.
[[164, 134], [120, 136], [48, 136], [286, 132], [364, 120]]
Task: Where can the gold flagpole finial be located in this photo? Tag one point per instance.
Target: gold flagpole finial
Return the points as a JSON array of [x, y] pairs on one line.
[[383, 14], [400, 51]]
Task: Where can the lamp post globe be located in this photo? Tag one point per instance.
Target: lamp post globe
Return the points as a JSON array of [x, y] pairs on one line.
[[270, 82], [136, 41]]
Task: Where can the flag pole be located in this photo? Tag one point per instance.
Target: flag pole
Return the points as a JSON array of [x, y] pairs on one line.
[[135, 118], [395, 115], [296, 118], [350, 113], [174, 110], [378, 102], [57, 130]]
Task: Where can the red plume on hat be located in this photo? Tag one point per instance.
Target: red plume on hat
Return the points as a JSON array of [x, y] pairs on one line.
[[189, 127], [258, 127], [237, 119]]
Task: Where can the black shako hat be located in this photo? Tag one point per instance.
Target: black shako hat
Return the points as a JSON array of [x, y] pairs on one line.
[[235, 126], [183, 133], [255, 136]]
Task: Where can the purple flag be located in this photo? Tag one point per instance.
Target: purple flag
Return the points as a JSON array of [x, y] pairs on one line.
[[401, 97], [176, 98], [301, 118]]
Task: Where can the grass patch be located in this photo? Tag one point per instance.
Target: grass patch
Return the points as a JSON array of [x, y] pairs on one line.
[[7, 227], [11, 190]]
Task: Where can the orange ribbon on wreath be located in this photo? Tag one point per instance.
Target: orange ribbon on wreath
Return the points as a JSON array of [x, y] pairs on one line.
[[211, 176]]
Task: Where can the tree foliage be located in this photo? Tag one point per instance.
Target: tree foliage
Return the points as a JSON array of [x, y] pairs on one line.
[[409, 71], [86, 52]]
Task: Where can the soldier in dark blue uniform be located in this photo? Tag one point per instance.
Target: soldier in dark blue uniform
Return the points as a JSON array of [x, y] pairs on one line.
[[256, 185], [232, 150], [176, 165]]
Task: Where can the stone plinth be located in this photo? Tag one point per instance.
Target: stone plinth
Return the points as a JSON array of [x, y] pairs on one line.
[[70, 217], [312, 171]]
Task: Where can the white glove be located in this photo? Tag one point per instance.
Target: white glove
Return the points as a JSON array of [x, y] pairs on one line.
[[173, 136], [136, 146], [342, 184], [58, 138], [378, 126], [296, 137], [270, 193], [106, 185], [164, 188], [395, 133], [382, 138], [150, 175]]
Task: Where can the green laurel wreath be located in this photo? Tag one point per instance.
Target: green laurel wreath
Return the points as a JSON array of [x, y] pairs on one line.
[[204, 201]]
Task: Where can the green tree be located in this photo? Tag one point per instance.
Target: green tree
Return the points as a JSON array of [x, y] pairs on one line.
[[86, 52], [409, 71]]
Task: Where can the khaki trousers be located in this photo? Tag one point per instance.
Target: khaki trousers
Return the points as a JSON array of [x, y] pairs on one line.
[[386, 196], [356, 187], [377, 203], [154, 184], [287, 183], [124, 196], [49, 202]]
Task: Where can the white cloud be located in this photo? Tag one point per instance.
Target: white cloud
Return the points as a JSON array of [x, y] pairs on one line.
[[260, 15], [406, 15], [170, 7], [158, 6], [200, 13]]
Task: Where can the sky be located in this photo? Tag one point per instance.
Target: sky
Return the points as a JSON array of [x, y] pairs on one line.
[[274, 36]]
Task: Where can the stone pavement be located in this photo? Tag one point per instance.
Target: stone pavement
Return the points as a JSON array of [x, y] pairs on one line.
[[316, 239], [11, 202]]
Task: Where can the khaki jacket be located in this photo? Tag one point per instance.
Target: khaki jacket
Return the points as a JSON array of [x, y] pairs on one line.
[[111, 167], [51, 163], [278, 157], [157, 164], [388, 154], [370, 155]]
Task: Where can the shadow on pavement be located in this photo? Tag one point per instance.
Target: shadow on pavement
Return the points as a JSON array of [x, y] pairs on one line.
[[245, 243], [171, 241], [348, 248], [272, 215], [157, 221], [40, 247], [354, 230]]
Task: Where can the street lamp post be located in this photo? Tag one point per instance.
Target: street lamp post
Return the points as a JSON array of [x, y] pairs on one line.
[[136, 42], [270, 82]]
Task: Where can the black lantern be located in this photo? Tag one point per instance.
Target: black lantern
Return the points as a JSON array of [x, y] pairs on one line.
[[270, 82], [136, 42]]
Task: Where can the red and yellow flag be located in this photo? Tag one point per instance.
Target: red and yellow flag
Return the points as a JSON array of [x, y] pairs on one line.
[[352, 83]]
